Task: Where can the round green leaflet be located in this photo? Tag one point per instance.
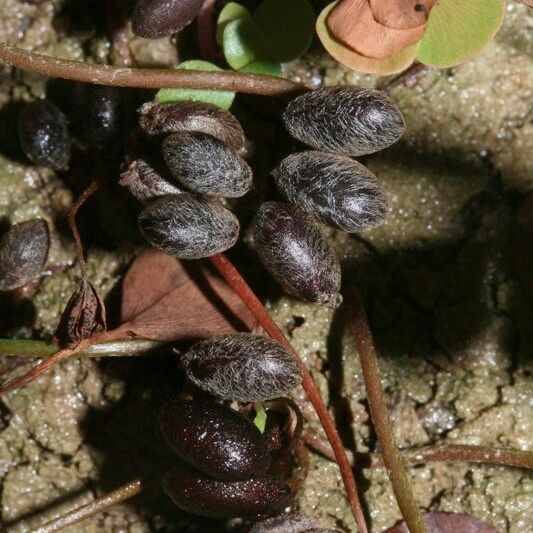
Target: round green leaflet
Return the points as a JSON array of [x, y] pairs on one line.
[[222, 99], [231, 11], [243, 43], [458, 30], [288, 27]]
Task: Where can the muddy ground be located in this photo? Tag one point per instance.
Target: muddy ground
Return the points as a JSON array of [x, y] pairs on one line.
[[451, 319]]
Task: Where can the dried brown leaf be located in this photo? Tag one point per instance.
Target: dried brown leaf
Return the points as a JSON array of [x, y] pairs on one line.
[[378, 29], [166, 299], [83, 317], [448, 523]]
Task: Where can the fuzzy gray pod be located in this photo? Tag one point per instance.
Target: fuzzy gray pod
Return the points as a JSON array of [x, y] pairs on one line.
[[189, 227], [345, 120], [193, 117], [296, 254], [334, 189], [153, 19], [206, 165], [242, 367], [145, 182], [23, 253]]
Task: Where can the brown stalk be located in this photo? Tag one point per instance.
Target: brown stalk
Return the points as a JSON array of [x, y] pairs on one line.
[[125, 492], [82, 198], [380, 418], [239, 285], [146, 78], [447, 453]]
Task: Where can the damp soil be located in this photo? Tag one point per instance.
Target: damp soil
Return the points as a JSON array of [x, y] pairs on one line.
[[451, 319]]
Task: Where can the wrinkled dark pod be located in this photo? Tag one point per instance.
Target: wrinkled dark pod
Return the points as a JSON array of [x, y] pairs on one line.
[[189, 227], [23, 253], [96, 113], [192, 117], [243, 367], [44, 135], [333, 189], [297, 255], [215, 439], [145, 182], [206, 165], [158, 18], [345, 120], [198, 494], [292, 523]]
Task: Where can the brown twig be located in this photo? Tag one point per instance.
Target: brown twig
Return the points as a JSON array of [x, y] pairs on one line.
[[82, 198], [123, 493], [380, 417], [447, 453], [239, 285], [146, 78]]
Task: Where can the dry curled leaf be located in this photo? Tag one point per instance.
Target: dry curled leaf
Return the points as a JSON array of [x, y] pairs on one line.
[[83, 317], [379, 28], [448, 523], [167, 299]]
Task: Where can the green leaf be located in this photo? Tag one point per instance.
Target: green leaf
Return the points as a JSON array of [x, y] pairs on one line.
[[288, 27], [458, 30], [222, 99], [230, 12], [260, 417], [243, 43], [268, 68]]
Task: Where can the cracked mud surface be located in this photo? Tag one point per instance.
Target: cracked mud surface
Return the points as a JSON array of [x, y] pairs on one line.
[[450, 318]]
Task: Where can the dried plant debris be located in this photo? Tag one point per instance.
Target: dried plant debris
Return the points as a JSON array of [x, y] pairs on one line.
[[345, 120], [297, 255], [243, 367], [44, 135], [206, 165], [192, 117], [335, 190], [83, 317], [189, 227], [179, 303], [23, 253], [145, 181], [215, 439]]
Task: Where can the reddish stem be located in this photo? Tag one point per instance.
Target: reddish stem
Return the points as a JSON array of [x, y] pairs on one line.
[[48, 363], [381, 421], [239, 285], [146, 78], [123, 493], [206, 32], [82, 198], [447, 453]]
